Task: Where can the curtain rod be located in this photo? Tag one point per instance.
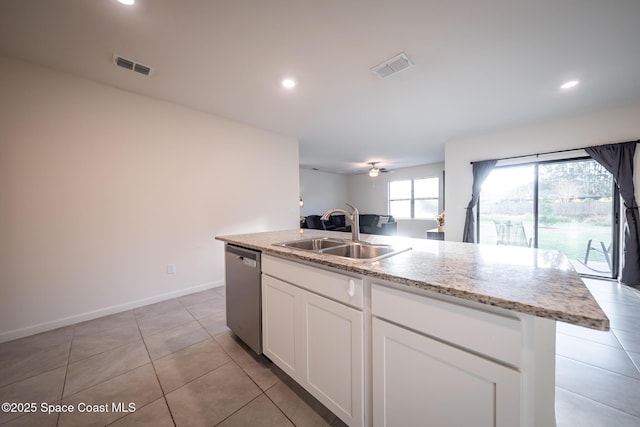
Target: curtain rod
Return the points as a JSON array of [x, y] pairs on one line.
[[535, 154], [549, 152]]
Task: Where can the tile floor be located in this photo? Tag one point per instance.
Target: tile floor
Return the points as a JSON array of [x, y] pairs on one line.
[[175, 360], [598, 373], [180, 365]]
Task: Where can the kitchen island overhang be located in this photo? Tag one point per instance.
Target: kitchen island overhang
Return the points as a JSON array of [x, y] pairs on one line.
[[537, 282]]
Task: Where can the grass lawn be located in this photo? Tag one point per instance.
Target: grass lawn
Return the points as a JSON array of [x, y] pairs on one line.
[[570, 238]]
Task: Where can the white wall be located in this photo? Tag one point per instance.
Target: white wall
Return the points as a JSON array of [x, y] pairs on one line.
[[613, 126], [322, 191], [369, 195], [100, 189]]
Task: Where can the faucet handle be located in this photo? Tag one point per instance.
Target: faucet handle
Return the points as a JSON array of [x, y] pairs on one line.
[[355, 210]]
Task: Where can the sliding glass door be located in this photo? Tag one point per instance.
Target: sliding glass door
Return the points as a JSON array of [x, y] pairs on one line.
[[507, 209], [576, 213], [568, 205]]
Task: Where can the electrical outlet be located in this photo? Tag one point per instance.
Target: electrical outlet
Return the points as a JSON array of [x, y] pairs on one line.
[[171, 268]]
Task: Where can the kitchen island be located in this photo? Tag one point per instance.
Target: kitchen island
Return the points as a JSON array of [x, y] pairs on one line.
[[446, 333]]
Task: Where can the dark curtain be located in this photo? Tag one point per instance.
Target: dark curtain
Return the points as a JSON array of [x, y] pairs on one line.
[[618, 159], [481, 171]]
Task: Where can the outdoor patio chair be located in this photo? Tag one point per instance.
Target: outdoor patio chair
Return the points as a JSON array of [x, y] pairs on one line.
[[500, 232], [511, 233], [598, 246], [520, 236]]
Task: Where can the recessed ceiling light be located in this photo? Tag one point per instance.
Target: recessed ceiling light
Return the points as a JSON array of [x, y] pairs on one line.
[[288, 83], [127, 2], [570, 84]]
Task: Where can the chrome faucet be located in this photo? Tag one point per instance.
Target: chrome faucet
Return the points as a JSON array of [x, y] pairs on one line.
[[353, 217]]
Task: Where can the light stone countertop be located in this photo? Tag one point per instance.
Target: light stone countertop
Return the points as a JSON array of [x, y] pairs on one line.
[[533, 281]]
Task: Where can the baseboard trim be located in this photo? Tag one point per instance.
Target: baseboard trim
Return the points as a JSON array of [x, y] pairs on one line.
[[90, 315]]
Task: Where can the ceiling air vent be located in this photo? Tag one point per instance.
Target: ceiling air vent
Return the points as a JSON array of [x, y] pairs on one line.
[[391, 66], [131, 65], [142, 69]]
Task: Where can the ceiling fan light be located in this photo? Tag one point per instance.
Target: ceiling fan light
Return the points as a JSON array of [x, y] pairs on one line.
[[570, 84], [373, 170]]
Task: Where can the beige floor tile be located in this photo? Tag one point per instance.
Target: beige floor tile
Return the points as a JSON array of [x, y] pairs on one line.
[[99, 335], [573, 410], [46, 387], [101, 324], [259, 369], [16, 366], [39, 419], [96, 369], [207, 308], [155, 414], [211, 398], [232, 345], [171, 340], [179, 368], [91, 346], [215, 324], [608, 388], [139, 387], [261, 412], [200, 297], [35, 343], [297, 409], [158, 309], [161, 323]]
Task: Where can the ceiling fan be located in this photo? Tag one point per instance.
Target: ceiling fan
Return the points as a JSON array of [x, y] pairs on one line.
[[374, 171]]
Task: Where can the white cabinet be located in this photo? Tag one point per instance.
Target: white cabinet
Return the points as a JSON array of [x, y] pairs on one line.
[[445, 363], [419, 381], [279, 314], [430, 360], [316, 340], [333, 356]]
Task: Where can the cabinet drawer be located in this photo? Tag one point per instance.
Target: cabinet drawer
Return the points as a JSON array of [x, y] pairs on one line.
[[341, 288], [493, 335]]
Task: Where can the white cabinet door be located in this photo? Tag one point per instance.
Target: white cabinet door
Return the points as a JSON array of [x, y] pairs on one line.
[[317, 342], [418, 381], [334, 356], [280, 339]]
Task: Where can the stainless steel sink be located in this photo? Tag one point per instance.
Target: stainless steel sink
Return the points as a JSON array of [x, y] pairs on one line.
[[360, 251], [346, 249], [313, 244]]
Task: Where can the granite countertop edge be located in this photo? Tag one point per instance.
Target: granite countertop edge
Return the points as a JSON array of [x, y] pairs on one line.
[[597, 320]]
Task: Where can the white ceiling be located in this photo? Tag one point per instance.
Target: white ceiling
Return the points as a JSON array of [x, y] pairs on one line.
[[479, 64]]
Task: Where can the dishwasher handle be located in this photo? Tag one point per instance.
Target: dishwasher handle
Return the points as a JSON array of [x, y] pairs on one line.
[[248, 257]]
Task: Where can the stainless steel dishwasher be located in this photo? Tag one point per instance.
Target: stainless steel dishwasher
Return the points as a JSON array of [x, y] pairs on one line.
[[244, 305]]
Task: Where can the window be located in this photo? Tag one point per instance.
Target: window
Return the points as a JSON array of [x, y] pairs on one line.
[[569, 205], [414, 198]]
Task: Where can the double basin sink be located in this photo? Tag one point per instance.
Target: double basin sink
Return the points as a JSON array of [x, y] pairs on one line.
[[345, 248]]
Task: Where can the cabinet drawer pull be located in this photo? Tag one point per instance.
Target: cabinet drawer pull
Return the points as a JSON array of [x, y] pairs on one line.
[[352, 288]]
